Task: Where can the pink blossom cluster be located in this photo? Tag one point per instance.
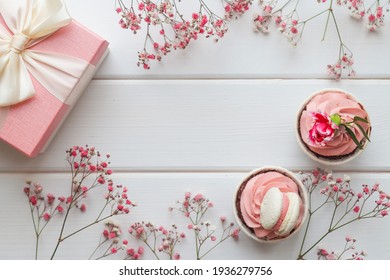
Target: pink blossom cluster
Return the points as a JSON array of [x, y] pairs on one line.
[[194, 208], [343, 64], [235, 8], [158, 239], [118, 198], [173, 30], [44, 207], [339, 191], [349, 246], [375, 18], [288, 23], [162, 240], [356, 7], [85, 163], [111, 243]]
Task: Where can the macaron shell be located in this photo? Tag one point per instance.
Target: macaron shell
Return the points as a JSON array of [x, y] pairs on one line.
[[286, 203], [292, 214], [271, 208]]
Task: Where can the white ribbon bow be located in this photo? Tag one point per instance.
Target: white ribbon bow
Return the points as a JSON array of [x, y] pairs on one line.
[[28, 23]]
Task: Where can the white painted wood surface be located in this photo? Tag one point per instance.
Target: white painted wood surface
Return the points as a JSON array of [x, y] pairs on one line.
[[198, 122], [155, 193]]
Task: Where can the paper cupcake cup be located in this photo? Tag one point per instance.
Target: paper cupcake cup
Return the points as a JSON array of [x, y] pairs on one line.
[[329, 160], [302, 192]]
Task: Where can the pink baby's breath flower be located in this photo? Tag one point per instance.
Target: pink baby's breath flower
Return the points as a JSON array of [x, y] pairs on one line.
[[198, 198], [50, 198], [46, 216], [101, 180], [114, 250], [136, 256], [83, 208], [235, 234], [33, 200], [60, 209], [176, 256], [356, 209], [323, 252]]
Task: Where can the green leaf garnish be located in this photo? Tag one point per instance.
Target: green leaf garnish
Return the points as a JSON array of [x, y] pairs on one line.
[[353, 136], [363, 131], [336, 119], [356, 118]]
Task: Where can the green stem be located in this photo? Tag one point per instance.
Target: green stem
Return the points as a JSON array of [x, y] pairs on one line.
[[315, 244], [223, 238], [60, 239], [97, 247], [87, 226], [151, 249], [300, 256]]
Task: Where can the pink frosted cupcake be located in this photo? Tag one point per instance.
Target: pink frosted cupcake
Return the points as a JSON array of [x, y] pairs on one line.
[[270, 204], [333, 127]]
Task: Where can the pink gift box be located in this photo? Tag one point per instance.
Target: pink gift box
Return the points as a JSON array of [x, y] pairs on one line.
[[29, 126]]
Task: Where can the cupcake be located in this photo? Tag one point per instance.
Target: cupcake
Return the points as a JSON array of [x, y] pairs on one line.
[[270, 204], [333, 127]]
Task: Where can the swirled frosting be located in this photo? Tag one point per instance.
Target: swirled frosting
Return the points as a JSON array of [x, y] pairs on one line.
[[333, 103], [270, 204]]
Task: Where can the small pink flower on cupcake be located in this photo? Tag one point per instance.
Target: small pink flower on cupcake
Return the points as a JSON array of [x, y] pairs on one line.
[[326, 127], [323, 129]]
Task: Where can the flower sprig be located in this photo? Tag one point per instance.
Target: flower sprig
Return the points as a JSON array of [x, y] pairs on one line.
[[111, 239], [89, 171], [167, 28], [349, 246], [285, 14], [326, 127], [158, 240], [194, 208], [162, 240], [345, 205]]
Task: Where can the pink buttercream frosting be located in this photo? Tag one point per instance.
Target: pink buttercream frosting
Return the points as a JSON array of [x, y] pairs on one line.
[[252, 198], [329, 103]]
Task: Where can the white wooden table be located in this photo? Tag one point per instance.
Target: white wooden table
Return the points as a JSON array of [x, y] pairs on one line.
[[198, 122]]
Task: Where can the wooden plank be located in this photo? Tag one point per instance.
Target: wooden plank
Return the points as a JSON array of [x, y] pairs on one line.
[[242, 53], [17, 237], [203, 125]]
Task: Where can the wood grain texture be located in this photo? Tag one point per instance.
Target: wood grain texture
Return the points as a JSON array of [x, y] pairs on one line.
[[203, 125], [154, 193], [242, 53]]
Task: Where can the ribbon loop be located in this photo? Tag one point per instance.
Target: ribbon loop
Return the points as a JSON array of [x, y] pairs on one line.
[[27, 23], [18, 43]]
